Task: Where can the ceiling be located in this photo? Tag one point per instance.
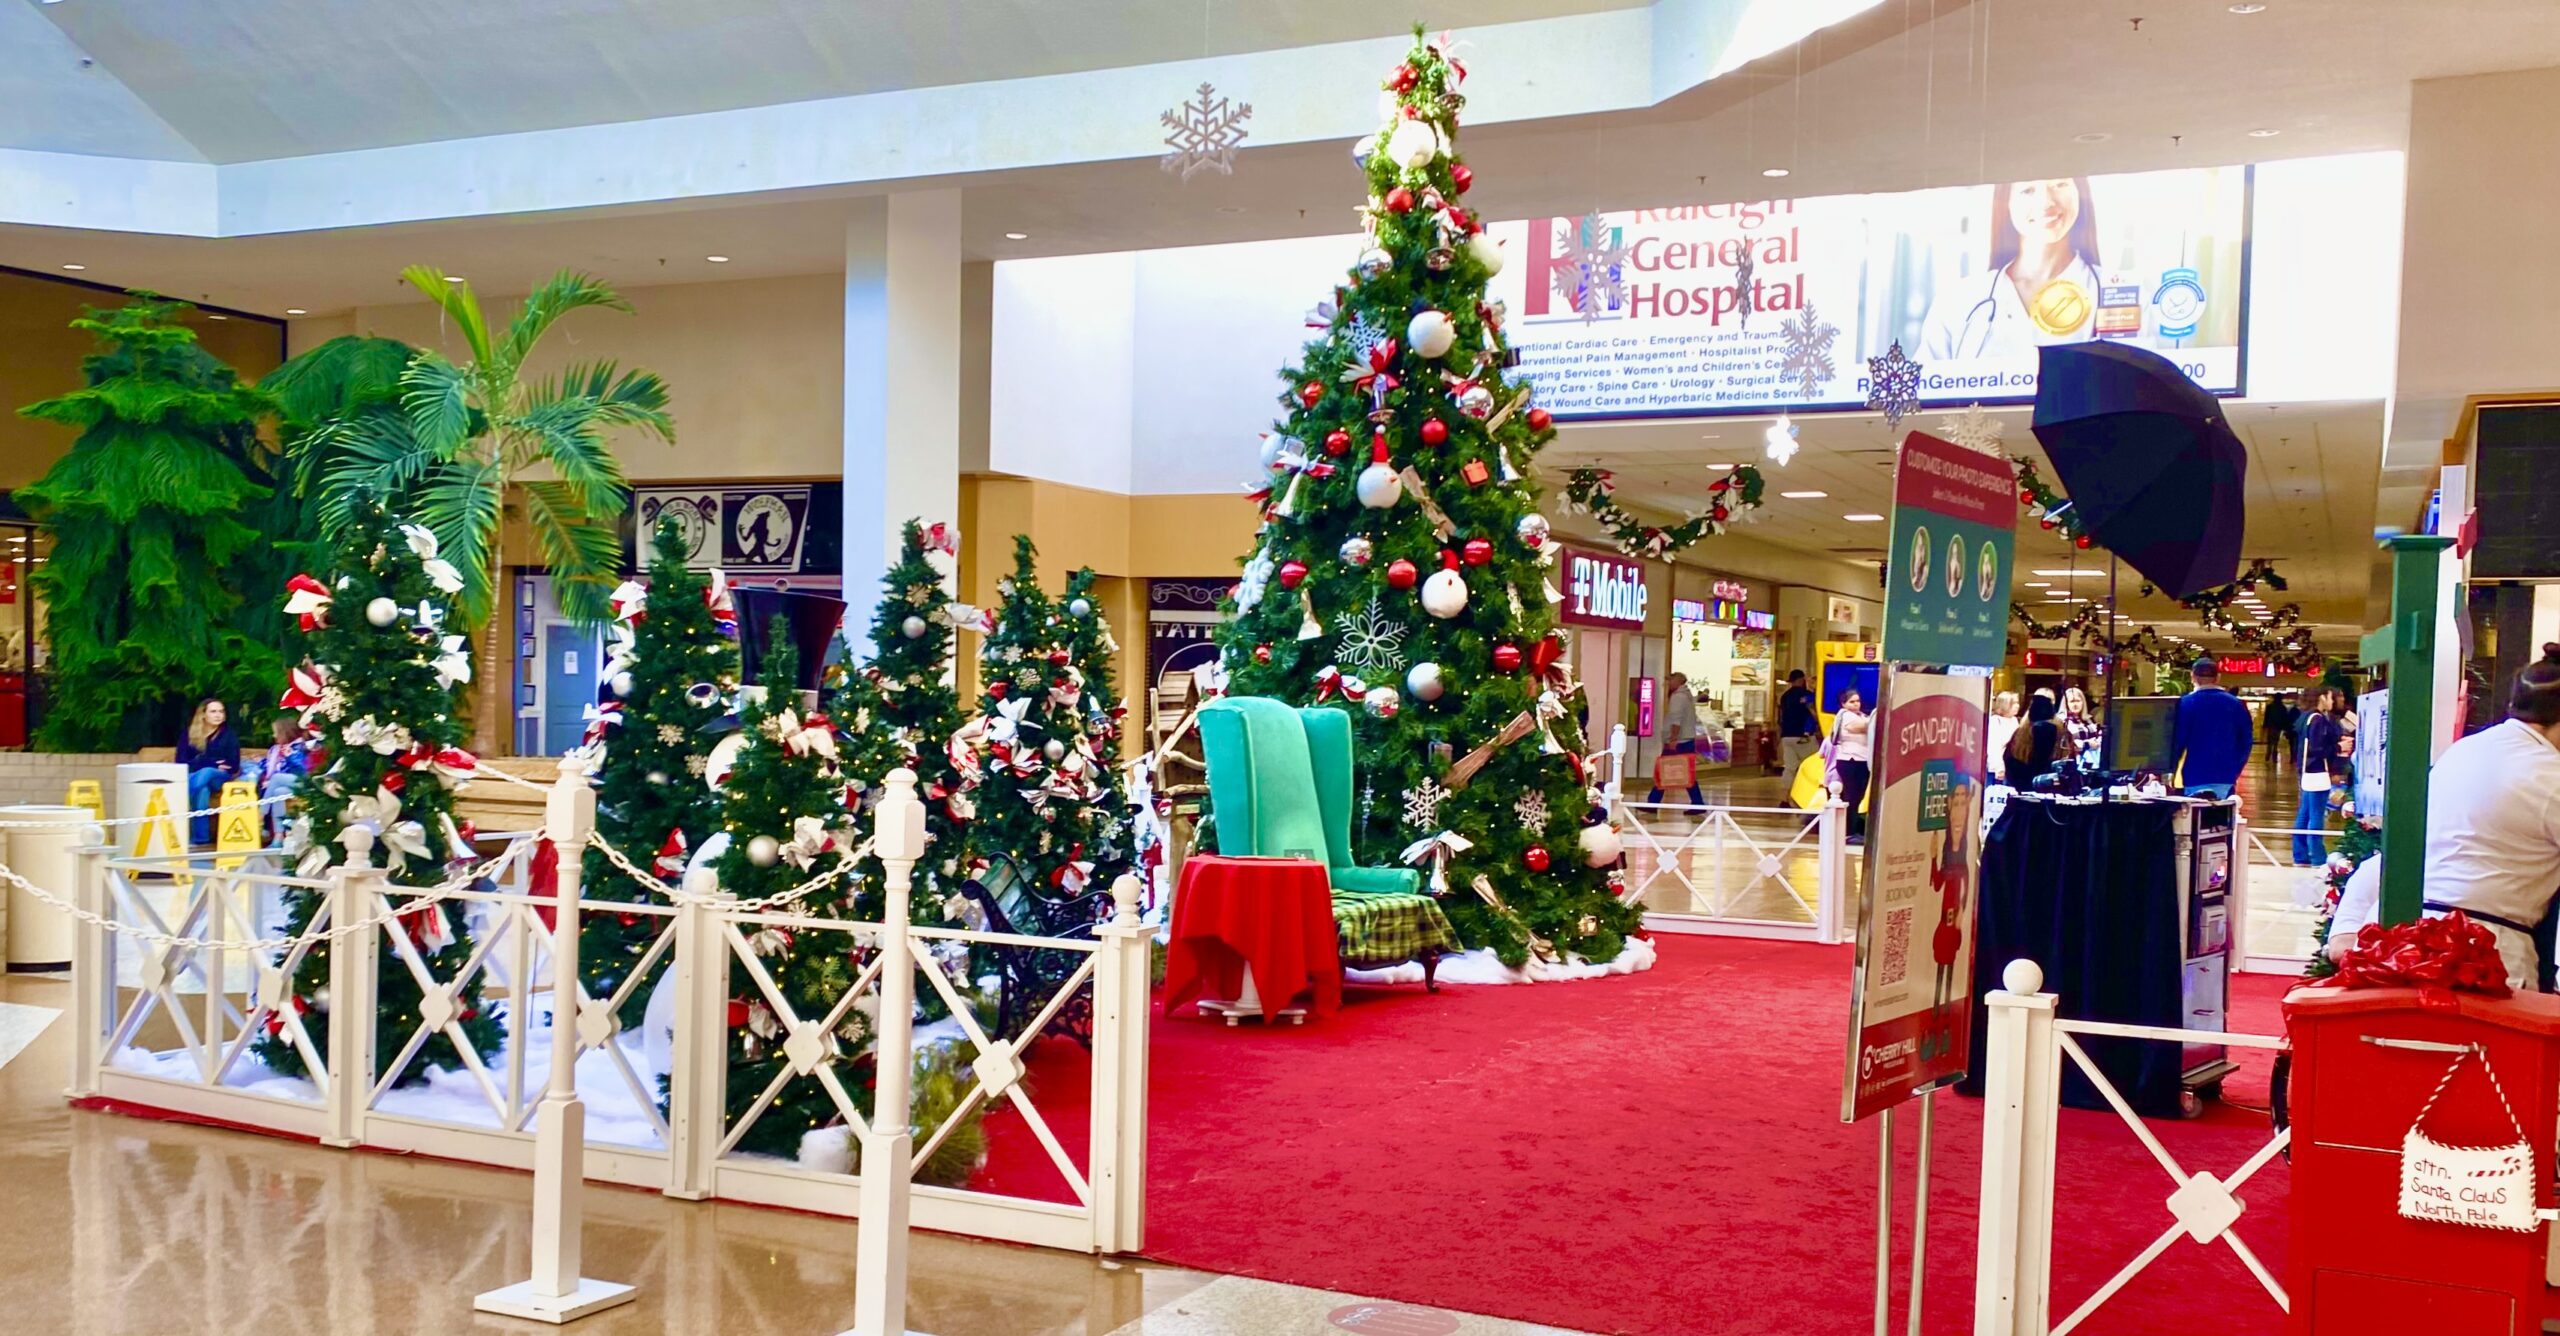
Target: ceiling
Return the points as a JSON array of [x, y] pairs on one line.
[[2310, 506]]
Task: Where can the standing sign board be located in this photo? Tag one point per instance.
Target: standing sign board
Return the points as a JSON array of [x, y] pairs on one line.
[[1946, 598], [2373, 738]]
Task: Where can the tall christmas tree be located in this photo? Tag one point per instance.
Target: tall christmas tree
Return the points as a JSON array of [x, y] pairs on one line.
[[783, 812], [379, 691], [1039, 795], [1401, 568], [916, 710], [1090, 648], [673, 671]]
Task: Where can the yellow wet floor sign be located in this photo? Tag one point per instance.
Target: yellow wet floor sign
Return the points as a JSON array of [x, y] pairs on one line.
[[84, 793], [235, 828], [158, 827]]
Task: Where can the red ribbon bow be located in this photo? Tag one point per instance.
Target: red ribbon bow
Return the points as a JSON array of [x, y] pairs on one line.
[[1381, 356], [2449, 954], [942, 538]]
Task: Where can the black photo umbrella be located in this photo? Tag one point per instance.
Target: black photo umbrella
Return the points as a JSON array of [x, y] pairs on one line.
[[2152, 469]]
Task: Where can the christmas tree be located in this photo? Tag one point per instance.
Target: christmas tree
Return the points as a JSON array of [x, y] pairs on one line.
[[1401, 571], [379, 692], [915, 710], [143, 589], [1090, 649], [672, 672], [784, 814], [1039, 793]]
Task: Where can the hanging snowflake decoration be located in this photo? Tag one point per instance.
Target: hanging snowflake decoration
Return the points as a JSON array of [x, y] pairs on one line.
[[1591, 276], [1532, 810], [670, 734], [1422, 804], [1256, 578], [1974, 430], [1893, 385], [1365, 337], [1372, 643], [1743, 300], [1780, 440], [1204, 134], [1805, 354]]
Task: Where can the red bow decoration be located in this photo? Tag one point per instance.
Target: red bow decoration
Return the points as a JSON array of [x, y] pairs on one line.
[[303, 690], [1374, 376], [671, 857], [1546, 661], [542, 877], [2449, 954], [307, 599], [601, 718], [1328, 681], [942, 538]]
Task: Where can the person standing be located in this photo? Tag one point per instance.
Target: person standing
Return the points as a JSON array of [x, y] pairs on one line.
[[1680, 735], [2318, 772], [1848, 751], [2083, 737], [211, 753], [2002, 727], [2215, 738], [2034, 745], [1799, 727], [2275, 725]]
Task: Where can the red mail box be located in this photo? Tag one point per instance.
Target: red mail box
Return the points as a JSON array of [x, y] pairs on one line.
[[2365, 1062]]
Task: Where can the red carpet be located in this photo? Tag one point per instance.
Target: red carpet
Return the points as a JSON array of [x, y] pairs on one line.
[[1654, 1154]]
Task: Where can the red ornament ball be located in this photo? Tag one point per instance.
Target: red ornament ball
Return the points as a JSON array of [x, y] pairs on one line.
[[2081, 542], [1434, 431], [996, 689], [2046, 523], [1401, 574], [1311, 392], [1540, 419], [1717, 514], [1292, 574], [1537, 858], [1476, 551], [1461, 177], [1400, 200], [1262, 654], [1337, 442], [1404, 78], [2025, 497], [1506, 656]]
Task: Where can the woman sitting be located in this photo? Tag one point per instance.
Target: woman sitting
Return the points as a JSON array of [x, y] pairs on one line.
[[211, 753], [2033, 746]]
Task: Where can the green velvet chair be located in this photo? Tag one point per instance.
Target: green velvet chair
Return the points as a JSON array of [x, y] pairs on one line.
[[1281, 785]]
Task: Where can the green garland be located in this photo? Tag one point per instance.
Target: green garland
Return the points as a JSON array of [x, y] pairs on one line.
[[1590, 492], [2052, 510], [2362, 841]]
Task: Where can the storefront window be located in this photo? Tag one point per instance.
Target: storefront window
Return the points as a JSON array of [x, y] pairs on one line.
[[23, 547]]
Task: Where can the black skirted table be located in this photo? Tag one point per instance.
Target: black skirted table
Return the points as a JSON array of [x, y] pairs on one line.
[[2089, 891]]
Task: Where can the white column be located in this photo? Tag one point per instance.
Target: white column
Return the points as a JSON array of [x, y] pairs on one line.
[[902, 381]]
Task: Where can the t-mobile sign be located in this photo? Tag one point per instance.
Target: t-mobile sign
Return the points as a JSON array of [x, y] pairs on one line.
[[1603, 590]]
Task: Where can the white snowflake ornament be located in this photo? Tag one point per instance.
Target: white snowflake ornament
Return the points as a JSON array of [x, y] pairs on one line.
[[1422, 804]]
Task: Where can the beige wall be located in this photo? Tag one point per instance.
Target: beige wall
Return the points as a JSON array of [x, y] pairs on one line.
[[40, 358]]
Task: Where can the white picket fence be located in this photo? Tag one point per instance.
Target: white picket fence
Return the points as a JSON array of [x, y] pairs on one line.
[[170, 1027], [1719, 870], [2021, 1107]]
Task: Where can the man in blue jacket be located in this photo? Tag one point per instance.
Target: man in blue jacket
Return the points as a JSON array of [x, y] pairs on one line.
[[2215, 736]]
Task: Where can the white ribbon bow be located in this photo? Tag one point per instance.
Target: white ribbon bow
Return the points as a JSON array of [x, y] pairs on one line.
[[808, 840], [1437, 850], [629, 599], [440, 573], [453, 661]]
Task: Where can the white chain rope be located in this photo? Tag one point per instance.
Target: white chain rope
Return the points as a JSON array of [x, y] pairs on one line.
[[137, 820], [675, 895], [420, 898]]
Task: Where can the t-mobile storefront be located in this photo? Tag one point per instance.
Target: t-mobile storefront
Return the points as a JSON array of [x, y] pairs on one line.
[[1620, 636]]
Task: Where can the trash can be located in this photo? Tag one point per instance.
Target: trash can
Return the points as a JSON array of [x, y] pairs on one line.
[[144, 788], [39, 934], [2421, 1129]]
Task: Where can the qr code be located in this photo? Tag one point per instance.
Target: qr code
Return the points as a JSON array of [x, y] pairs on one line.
[[1897, 946]]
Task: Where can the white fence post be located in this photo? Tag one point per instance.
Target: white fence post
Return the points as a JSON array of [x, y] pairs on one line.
[[1617, 768], [1120, 1019], [2236, 897], [697, 1087], [354, 959], [2021, 1094], [558, 1292], [93, 965], [1831, 873], [888, 1145]]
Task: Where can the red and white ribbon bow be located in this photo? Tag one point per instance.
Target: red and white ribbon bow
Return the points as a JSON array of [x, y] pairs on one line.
[[942, 538], [1328, 683], [304, 685], [669, 864], [1373, 377], [966, 617], [808, 840], [724, 610], [802, 737], [1072, 876], [601, 717], [307, 599], [630, 601]]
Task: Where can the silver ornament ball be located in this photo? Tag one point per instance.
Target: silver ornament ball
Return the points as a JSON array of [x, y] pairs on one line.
[[622, 685], [1081, 607], [1382, 702], [1376, 263], [764, 851], [1358, 551], [1423, 682], [1054, 750], [1533, 529], [1476, 402], [382, 612], [912, 628]]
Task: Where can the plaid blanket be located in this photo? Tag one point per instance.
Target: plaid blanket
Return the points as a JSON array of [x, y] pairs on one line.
[[1381, 930]]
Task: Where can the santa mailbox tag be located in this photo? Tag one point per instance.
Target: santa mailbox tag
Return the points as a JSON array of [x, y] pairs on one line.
[[2484, 1187]]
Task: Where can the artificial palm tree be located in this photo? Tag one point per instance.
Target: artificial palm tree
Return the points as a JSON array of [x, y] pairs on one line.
[[467, 431]]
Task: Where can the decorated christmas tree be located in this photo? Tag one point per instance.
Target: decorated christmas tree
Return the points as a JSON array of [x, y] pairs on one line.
[[378, 690], [782, 808], [915, 710], [1402, 570], [1039, 793], [671, 673], [1090, 648]]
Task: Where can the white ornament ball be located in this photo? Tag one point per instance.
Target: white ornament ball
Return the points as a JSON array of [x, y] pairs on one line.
[[1444, 594], [1430, 333], [1362, 147], [722, 760], [382, 612], [1376, 263], [1379, 487], [1382, 702], [1486, 251], [764, 851], [320, 998], [1080, 607], [622, 685], [1600, 846], [1533, 529], [1476, 402], [1423, 682], [912, 628], [1413, 144], [1054, 750], [1358, 551], [1272, 445]]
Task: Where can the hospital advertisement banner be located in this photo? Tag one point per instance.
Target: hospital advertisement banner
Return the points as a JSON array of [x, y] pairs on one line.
[[1772, 305], [1911, 1009], [1955, 517]]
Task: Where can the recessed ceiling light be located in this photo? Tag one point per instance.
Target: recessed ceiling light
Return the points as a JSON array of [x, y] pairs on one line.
[[2072, 575], [1804, 496], [75, 268], [211, 316], [295, 310], [1863, 518], [717, 259], [2039, 584], [2264, 133], [453, 278], [1017, 236], [1713, 467], [2248, 9], [2092, 137], [1773, 171]]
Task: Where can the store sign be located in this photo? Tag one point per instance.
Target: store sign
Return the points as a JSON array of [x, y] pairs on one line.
[[1639, 313], [1688, 610], [1734, 590], [1946, 594], [1182, 625], [777, 529], [1604, 590], [2373, 736], [1644, 707], [1911, 1008], [2241, 665], [1843, 611]]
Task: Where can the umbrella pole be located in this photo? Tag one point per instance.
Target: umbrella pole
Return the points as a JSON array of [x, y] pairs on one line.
[[2110, 697]]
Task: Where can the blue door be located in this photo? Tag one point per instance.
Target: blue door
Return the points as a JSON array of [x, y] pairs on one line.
[[568, 686]]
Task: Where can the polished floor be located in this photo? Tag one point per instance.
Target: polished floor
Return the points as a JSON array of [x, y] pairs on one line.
[[119, 1226]]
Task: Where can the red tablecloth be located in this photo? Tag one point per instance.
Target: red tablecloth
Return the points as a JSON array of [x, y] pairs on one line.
[[1274, 913]]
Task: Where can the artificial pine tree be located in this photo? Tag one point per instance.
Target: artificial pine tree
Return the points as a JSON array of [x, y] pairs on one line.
[[1401, 571], [1039, 792], [916, 710], [784, 814], [378, 690], [651, 802], [1090, 648], [151, 558]]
